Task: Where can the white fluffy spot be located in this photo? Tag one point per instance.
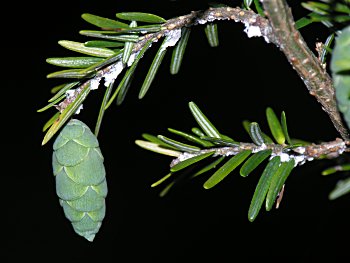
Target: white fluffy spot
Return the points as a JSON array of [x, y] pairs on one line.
[[94, 83], [210, 18], [342, 149], [300, 150], [284, 157], [266, 39], [252, 31], [113, 73], [184, 156], [171, 38], [260, 148], [79, 109], [201, 21], [300, 159], [267, 32], [70, 93], [132, 58], [229, 153]]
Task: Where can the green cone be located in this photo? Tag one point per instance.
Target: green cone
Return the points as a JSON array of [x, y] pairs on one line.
[[80, 175]]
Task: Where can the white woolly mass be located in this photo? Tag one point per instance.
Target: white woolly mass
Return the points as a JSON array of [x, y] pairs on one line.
[[171, 38], [342, 149], [252, 31], [113, 73], [184, 156], [79, 109], [229, 153], [298, 159], [260, 148], [132, 58], [267, 32], [94, 83], [210, 18], [285, 157], [70, 93], [300, 150]]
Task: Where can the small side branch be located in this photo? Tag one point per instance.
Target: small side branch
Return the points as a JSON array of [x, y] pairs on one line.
[[308, 67], [300, 154]]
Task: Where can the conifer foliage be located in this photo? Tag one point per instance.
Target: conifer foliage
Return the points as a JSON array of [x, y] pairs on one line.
[[108, 60]]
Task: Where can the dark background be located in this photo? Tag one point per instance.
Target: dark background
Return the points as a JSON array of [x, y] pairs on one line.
[[231, 83]]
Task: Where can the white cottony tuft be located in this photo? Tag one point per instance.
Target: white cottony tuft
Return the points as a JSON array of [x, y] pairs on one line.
[[172, 37], [252, 31], [284, 157], [79, 109], [132, 58], [300, 159], [113, 73], [70, 93], [94, 83], [300, 150], [260, 148], [202, 21]]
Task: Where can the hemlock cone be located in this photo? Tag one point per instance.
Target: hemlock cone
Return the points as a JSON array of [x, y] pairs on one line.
[[80, 178]]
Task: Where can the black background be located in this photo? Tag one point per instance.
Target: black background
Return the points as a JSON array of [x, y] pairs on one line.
[[230, 83]]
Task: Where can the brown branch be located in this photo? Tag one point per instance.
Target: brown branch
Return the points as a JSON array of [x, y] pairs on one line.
[[300, 154], [308, 67], [279, 30], [247, 17]]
